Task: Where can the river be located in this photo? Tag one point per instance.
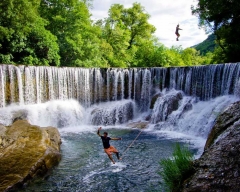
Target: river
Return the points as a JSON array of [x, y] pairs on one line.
[[85, 167]]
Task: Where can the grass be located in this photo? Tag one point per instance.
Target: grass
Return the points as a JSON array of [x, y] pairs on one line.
[[176, 169]]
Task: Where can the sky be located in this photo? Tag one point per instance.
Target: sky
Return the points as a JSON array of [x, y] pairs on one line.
[[165, 15]]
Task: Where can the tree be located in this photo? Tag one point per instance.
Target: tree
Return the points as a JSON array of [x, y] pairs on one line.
[[78, 39], [222, 17], [126, 30], [191, 57], [151, 53], [23, 37]]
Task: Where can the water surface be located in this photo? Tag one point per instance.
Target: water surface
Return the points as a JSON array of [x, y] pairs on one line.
[[85, 166]]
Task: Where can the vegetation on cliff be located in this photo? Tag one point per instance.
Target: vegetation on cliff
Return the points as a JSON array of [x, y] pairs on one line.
[[221, 17], [208, 45]]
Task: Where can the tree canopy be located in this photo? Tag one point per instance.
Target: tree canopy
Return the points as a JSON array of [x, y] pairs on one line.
[[23, 36], [62, 33], [222, 17]]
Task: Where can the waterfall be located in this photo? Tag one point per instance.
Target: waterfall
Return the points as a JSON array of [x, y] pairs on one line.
[[112, 113], [55, 113], [173, 111], [2, 88], [30, 84], [71, 96], [165, 105], [60, 113]]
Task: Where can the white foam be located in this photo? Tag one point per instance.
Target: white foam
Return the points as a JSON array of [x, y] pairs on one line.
[[55, 113], [118, 166]]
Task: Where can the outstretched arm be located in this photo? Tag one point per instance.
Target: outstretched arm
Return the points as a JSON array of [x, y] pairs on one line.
[[112, 138], [98, 131]]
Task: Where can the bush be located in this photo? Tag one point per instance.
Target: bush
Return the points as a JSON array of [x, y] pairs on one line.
[[177, 168]]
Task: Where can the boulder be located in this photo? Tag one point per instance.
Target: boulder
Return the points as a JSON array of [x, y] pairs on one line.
[[218, 169], [26, 151]]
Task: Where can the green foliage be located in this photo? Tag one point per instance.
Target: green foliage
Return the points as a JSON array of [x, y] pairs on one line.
[[222, 18], [208, 45], [70, 22], [176, 169], [127, 31], [23, 37], [61, 33]]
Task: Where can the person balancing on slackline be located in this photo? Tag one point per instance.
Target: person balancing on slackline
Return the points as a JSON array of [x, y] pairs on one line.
[[177, 33], [109, 149]]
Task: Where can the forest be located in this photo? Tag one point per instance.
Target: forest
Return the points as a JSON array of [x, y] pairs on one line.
[[62, 33]]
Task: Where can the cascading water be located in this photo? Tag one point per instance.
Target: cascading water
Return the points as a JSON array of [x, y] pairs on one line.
[[112, 113], [55, 113], [101, 94], [173, 111], [28, 84]]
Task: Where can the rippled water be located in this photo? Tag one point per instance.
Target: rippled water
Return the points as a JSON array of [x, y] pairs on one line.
[[85, 166]]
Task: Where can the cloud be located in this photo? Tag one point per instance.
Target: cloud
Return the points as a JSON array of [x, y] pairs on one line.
[[165, 15]]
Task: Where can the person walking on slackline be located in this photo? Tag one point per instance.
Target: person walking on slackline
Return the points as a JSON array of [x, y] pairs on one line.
[[109, 149], [177, 33]]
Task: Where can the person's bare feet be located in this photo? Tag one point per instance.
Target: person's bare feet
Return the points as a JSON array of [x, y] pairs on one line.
[[113, 162]]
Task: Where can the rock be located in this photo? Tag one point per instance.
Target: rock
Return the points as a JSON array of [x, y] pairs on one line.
[[26, 151], [165, 105], [218, 168], [225, 120], [139, 124], [154, 99]]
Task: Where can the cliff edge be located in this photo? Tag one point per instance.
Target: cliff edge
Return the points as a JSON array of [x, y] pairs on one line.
[[218, 169]]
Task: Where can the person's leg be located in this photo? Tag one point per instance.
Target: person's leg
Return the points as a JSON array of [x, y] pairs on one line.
[[114, 150], [117, 154], [108, 152], [110, 157]]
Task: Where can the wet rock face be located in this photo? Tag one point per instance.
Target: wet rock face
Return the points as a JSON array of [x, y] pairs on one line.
[[165, 105], [218, 169], [25, 152], [112, 115], [154, 99], [224, 121]]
